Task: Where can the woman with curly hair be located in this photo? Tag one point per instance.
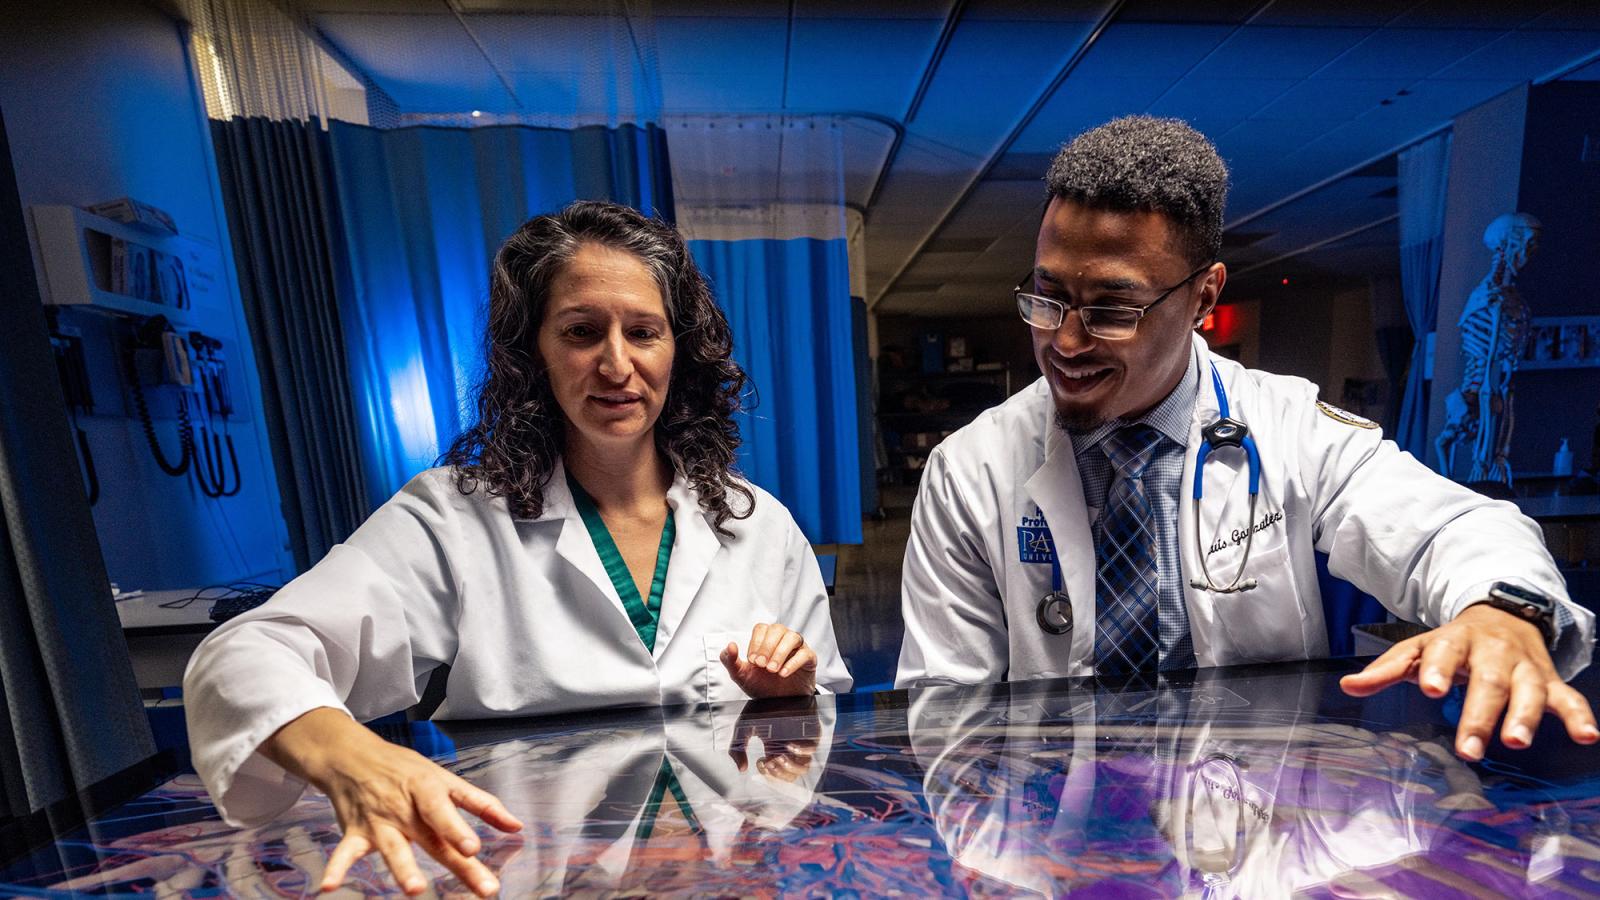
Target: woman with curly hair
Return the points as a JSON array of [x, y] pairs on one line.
[[584, 544]]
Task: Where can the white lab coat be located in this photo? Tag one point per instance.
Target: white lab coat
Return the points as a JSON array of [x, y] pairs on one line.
[[1424, 546], [581, 797], [521, 610]]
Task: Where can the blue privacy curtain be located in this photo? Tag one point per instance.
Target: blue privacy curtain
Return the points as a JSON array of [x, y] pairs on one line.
[[761, 199], [425, 209], [1424, 173], [788, 302]]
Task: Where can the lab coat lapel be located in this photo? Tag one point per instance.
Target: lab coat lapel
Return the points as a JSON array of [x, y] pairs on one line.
[[694, 546], [1057, 489], [574, 545]]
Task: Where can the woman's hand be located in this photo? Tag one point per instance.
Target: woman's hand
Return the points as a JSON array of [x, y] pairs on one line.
[[778, 663], [386, 797], [788, 742]]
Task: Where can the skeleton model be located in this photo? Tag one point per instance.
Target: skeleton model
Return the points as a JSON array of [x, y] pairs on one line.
[[1494, 331]]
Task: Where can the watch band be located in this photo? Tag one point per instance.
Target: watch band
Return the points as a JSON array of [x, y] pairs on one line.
[[1528, 605]]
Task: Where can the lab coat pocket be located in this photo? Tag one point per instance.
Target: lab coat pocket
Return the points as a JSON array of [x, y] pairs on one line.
[[1264, 624], [719, 686]]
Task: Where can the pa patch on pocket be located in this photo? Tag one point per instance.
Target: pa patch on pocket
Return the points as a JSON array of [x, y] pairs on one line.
[[1034, 545]]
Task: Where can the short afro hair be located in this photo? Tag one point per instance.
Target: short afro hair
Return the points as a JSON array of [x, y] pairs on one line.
[[1142, 163]]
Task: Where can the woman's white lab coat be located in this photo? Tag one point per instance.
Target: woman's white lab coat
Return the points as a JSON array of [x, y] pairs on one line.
[[522, 611], [1425, 546], [581, 797]]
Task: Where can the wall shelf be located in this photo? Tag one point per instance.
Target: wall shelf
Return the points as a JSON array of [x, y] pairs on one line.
[[77, 250]]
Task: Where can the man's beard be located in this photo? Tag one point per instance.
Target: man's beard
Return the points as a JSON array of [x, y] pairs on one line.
[[1080, 422]]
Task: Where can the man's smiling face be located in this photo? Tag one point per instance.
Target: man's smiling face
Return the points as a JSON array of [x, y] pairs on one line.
[[1098, 257]]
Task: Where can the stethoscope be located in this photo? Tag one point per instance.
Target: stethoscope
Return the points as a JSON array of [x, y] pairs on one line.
[[1218, 772], [1054, 610]]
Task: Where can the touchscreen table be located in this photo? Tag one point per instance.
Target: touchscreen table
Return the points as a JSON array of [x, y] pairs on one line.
[[1253, 781]]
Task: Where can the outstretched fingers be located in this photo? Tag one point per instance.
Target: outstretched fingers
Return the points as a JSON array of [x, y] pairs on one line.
[[1398, 663]]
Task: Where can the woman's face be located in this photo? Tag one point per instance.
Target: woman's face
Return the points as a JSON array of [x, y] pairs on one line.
[[607, 345]]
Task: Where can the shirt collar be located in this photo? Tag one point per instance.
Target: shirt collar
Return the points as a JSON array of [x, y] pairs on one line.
[[1172, 416]]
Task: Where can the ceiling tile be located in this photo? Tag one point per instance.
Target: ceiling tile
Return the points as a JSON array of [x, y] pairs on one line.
[[726, 46], [1352, 13], [859, 64], [1323, 99], [404, 55], [1213, 105], [1255, 137], [1278, 52], [721, 65], [902, 302], [1149, 50], [555, 43], [1405, 53], [714, 91], [936, 268], [994, 207], [1080, 104], [1522, 55], [1435, 101], [984, 84]]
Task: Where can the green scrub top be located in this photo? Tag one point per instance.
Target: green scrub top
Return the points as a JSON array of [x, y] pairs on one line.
[[644, 614], [666, 781]]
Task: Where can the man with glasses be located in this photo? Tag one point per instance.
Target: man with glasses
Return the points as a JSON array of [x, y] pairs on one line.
[[1065, 532]]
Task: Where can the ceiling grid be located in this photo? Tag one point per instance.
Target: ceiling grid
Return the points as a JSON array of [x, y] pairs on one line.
[[951, 109]]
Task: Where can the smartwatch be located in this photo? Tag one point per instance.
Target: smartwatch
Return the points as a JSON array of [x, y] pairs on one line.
[[1525, 604]]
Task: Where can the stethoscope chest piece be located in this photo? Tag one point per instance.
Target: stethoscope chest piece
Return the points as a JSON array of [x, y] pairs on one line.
[[1054, 612], [1225, 432]]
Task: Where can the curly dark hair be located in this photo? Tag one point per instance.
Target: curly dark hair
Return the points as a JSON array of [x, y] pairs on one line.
[[1149, 164], [512, 449]]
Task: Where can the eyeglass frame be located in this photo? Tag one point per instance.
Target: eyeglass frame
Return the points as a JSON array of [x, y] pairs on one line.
[[1017, 293]]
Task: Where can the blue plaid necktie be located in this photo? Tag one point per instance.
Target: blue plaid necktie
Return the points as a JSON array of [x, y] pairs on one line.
[[1127, 583]]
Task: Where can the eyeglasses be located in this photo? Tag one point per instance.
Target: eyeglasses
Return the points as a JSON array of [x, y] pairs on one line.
[[1109, 323]]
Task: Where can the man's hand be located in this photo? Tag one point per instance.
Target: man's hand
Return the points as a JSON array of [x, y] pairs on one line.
[[386, 797], [1506, 667], [778, 663]]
